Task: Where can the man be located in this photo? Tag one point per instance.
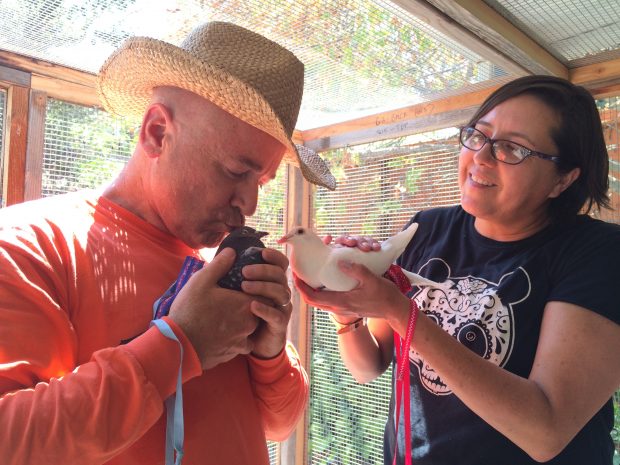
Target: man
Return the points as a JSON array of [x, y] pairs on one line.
[[84, 374]]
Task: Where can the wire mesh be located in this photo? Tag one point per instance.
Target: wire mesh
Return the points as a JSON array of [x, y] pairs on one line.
[[361, 56], [610, 116], [615, 433], [272, 449], [83, 147], [346, 419], [270, 213], [609, 109], [380, 186], [571, 30]]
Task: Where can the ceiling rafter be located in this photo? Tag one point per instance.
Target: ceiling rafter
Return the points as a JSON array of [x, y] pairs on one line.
[[451, 28], [597, 75], [495, 34]]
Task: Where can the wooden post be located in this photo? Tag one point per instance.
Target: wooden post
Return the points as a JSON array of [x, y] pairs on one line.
[[15, 142], [299, 193], [34, 148]]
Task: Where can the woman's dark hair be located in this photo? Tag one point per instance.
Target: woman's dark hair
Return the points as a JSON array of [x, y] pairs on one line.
[[579, 138]]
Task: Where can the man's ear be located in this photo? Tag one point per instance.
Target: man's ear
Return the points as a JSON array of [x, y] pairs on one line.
[[156, 124], [564, 182]]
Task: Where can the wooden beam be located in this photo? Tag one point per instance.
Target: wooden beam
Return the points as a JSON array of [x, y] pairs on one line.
[[403, 121], [43, 68], [34, 148], [446, 25], [298, 212], [15, 142], [496, 31], [606, 91], [67, 91], [406, 128], [597, 75], [11, 76]]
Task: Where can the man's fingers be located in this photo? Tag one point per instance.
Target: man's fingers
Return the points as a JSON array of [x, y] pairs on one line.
[[275, 257], [277, 317], [219, 266]]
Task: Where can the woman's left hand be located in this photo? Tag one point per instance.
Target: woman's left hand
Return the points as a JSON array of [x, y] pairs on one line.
[[374, 297], [364, 243]]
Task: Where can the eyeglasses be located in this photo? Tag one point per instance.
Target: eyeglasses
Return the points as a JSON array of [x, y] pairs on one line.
[[502, 150]]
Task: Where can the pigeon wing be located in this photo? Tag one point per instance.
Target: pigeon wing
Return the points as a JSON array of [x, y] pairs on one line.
[[330, 275], [307, 263]]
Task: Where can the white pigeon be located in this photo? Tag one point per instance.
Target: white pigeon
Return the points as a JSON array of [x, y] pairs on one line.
[[317, 263]]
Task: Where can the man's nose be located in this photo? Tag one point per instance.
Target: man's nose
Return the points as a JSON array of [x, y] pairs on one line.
[[245, 198]]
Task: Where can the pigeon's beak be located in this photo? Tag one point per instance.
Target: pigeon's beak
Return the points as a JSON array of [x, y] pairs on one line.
[[284, 239]]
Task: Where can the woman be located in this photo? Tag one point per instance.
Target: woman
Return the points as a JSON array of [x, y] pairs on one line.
[[515, 361]]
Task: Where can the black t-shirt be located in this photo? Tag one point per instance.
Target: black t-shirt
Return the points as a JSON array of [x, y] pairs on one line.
[[494, 306]]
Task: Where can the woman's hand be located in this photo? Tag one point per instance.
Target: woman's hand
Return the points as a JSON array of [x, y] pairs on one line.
[[365, 243], [367, 351], [374, 297]]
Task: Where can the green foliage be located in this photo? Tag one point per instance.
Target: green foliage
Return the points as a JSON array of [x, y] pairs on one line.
[[347, 419], [271, 209], [615, 433], [84, 147]]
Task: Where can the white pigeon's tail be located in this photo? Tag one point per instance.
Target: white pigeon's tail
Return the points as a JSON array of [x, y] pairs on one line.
[[398, 242], [417, 280]]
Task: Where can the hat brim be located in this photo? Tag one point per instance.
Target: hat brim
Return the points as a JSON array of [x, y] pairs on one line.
[[129, 75]]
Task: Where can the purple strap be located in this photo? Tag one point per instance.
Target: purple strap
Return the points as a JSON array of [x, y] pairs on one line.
[[175, 429], [161, 307]]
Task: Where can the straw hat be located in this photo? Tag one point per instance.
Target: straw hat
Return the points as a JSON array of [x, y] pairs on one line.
[[244, 73]]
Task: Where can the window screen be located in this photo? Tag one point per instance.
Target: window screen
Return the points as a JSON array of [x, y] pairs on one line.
[[270, 213], [84, 147], [270, 216], [380, 187], [610, 112], [2, 112]]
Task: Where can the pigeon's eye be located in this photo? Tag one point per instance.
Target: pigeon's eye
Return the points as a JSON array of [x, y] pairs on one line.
[[300, 231]]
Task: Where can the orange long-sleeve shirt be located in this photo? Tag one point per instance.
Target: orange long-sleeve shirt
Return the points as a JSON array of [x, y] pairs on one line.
[[82, 379]]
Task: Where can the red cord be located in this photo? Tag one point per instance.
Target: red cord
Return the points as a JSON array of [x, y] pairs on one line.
[[402, 348]]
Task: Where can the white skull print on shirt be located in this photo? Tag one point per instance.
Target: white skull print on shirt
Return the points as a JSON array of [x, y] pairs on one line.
[[473, 312], [494, 304]]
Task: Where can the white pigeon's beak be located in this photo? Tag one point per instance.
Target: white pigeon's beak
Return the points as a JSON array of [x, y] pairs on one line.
[[284, 239]]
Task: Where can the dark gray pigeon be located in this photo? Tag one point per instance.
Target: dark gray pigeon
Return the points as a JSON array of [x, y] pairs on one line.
[[248, 246]]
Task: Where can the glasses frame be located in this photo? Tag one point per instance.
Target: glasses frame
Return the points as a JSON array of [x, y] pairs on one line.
[[491, 142]]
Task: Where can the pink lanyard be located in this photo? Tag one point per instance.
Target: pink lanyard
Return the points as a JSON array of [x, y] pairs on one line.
[[403, 380]]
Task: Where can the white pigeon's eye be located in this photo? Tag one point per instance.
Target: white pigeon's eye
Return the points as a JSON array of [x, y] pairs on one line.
[[300, 231]]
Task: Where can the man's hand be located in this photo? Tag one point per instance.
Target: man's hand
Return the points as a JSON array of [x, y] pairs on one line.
[[272, 302], [217, 321]]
